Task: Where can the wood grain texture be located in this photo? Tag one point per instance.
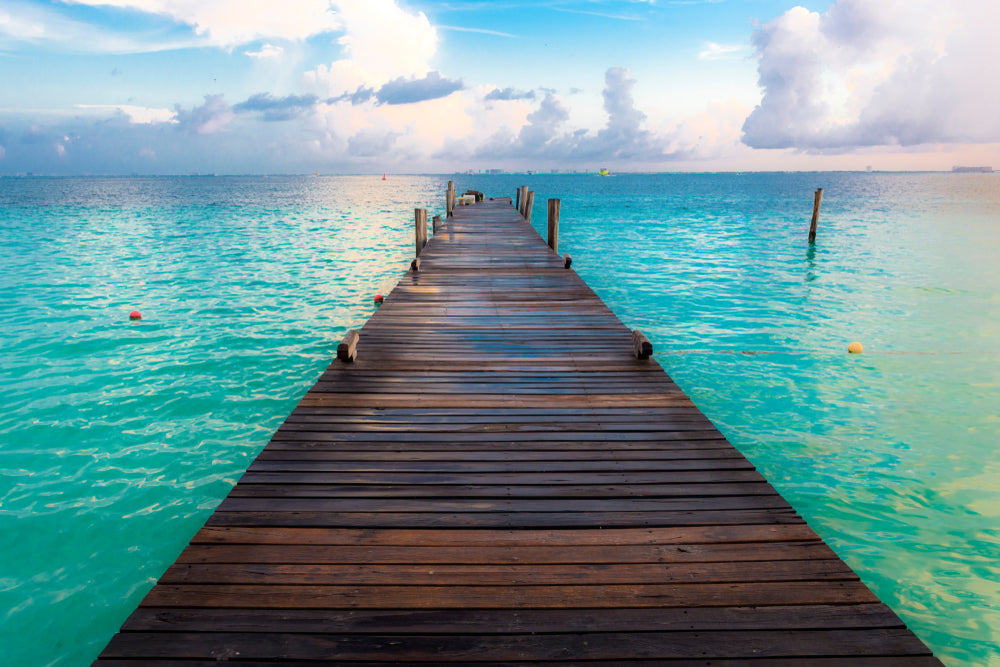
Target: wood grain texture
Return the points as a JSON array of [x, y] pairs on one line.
[[497, 479]]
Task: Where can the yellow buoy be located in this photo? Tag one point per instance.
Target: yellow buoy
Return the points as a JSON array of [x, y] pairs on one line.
[[855, 348]]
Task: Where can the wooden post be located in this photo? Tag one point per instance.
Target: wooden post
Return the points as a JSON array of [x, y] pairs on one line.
[[435, 223], [420, 217], [815, 219], [641, 345], [554, 224], [449, 198], [348, 349], [522, 195], [517, 199], [529, 202]]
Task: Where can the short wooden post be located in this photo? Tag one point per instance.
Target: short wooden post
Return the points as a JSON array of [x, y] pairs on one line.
[[529, 203], [420, 218], [348, 349], [567, 261], [641, 345], [449, 207], [815, 219], [436, 223], [554, 224]]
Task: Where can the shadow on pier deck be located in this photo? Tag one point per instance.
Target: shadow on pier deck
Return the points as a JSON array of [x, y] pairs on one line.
[[497, 479]]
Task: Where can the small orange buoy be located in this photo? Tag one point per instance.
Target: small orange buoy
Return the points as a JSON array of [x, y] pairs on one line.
[[855, 348], [378, 299], [135, 315]]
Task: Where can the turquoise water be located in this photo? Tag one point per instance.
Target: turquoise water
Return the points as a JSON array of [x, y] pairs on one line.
[[118, 438]]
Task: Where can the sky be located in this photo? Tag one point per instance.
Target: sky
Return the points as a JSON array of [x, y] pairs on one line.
[[412, 86]]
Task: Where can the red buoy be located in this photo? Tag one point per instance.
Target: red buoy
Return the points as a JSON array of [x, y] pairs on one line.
[[135, 315], [378, 299]]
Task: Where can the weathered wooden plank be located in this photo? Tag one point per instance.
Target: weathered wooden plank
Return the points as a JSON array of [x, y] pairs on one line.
[[583, 646], [801, 661], [246, 490], [311, 462], [503, 539], [727, 457], [294, 475], [451, 574], [508, 597], [501, 621]]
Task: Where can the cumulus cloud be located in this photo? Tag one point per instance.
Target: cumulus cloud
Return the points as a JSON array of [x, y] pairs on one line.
[[214, 115], [277, 108], [713, 51], [543, 123], [136, 114], [407, 91], [545, 134], [360, 96], [371, 142], [267, 51], [508, 94], [403, 90], [624, 130], [381, 42], [876, 74]]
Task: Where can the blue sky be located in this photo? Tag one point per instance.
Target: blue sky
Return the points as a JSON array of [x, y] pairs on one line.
[[363, 86]]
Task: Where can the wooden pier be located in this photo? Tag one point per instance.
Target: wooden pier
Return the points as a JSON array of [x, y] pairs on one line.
[[497, 479]]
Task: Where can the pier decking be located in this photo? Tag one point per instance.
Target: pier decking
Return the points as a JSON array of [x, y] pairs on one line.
[[497, 479]]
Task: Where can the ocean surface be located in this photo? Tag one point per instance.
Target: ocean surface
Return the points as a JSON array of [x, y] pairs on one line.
[[118, 438]]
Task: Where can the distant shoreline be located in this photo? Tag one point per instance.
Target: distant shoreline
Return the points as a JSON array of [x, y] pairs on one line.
[[953, 170]]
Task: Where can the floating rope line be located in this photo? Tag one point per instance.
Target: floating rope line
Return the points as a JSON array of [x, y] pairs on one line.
[[807, 352]]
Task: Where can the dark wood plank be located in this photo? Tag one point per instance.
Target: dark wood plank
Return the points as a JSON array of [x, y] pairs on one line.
[[506, 621], [311, 553], [582, 646]]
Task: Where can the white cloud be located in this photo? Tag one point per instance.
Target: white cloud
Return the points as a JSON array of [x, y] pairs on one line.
[[137, 115], [896, 72], [481, 31], [713, 51], [267, 51], [625, 138], [229, 23], [381, 42], [211, 117], [34, 24]]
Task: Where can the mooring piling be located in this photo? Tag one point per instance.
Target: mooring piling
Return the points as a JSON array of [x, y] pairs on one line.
[[815, 219], [554, 205]]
